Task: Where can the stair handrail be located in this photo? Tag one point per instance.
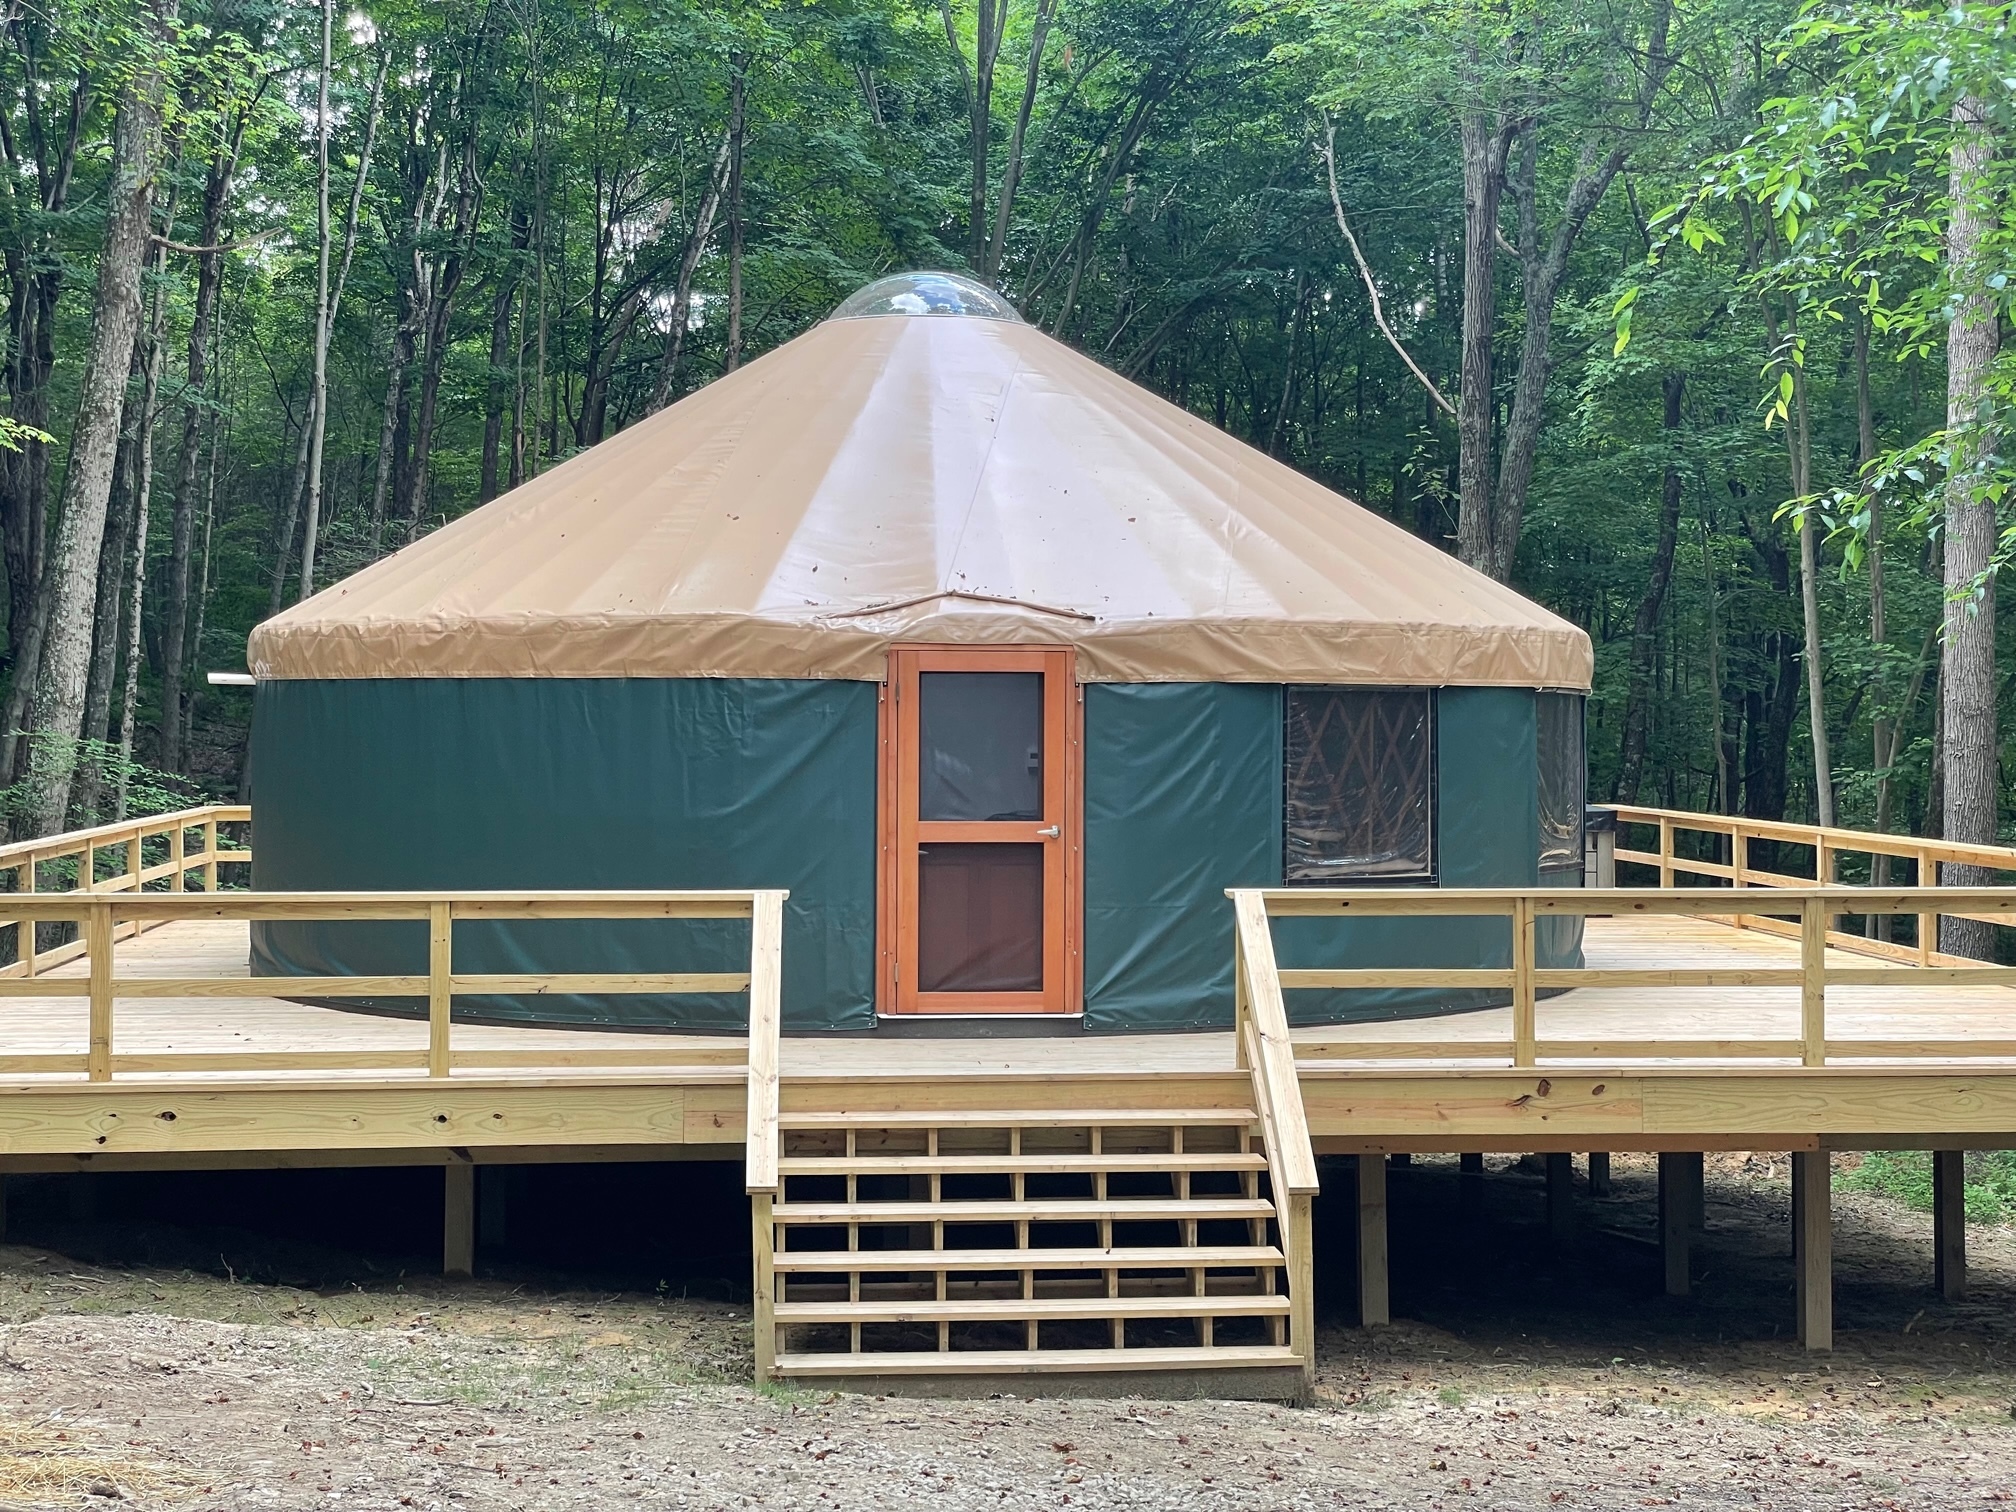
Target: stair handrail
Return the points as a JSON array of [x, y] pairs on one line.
[[1263, 1046], [766, 983], [1260, 1026]]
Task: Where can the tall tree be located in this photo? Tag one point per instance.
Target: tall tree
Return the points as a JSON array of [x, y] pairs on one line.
[[58, 708], [1967, 678]]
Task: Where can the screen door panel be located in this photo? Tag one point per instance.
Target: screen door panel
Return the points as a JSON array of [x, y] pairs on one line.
[[980, 831]]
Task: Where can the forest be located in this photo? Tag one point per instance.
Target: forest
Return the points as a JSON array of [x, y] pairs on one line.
[[1683, 316]]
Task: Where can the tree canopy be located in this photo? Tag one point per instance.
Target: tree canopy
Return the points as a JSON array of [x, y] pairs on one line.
[[1684, 319]]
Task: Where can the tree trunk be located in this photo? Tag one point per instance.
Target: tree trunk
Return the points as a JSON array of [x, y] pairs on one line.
[[318, 404], [498, 389], [1967, 688], [1800, 439], [1483, 183], [737, 134], [1725, 799], [88, 786], [989, 24], [182, 525], [1644, 628], [682, 292], [1011, 172], [58, 711], [136, 593], [37, 283], [388, 431]]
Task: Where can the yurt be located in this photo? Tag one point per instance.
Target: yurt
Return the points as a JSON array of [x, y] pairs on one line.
[[1004, 666]]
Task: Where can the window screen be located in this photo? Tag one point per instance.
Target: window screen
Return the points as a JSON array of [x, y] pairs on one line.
[[1564, 780], [1360, 798]]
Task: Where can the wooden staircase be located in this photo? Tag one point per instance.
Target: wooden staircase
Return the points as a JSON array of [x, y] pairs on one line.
[[1014, 1242], [980, 1236]]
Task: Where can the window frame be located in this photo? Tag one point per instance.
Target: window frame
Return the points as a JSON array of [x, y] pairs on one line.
[[1431, 877], [1575, 863]]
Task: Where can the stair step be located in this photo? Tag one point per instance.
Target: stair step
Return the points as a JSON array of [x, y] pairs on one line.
[[1043, 1118], [1035, 1361], [1020, 1309], [1004, 1165], [834, 1262], [1058, 1210]]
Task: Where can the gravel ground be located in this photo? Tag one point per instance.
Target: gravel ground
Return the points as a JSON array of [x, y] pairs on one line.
[[1525, 1378]]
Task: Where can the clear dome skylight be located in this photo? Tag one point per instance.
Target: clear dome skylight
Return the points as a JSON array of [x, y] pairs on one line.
[[925, 294]]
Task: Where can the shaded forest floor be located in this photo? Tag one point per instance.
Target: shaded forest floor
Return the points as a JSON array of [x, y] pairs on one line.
[[137, 1359]]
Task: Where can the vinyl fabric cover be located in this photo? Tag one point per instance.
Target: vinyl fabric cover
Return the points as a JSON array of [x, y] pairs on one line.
[[915, 478], [558, 783], [1183, 799]]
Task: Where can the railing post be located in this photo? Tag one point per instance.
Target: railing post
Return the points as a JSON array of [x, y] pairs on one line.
[[98, 946], [1298, 1219], [1242, 1007], [1813, 980], [1928, 923], [1823, 869], [1739, 861], [763, 1241], [210, 854], [766, 960], [178, 855], [440, 995], [1524, 1034], [1665, 852], [25, 943]]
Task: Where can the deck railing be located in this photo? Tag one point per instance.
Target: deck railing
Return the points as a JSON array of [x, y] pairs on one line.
[[1265, 1050], [1828, 846], [101, 917], [78, 852], [1805, 911]]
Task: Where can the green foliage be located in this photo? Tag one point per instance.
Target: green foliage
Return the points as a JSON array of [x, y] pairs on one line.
[[111, 775], [538, 177], [1906, 1176]]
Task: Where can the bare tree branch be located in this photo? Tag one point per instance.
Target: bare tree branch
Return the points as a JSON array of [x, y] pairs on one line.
[[1364, 272]]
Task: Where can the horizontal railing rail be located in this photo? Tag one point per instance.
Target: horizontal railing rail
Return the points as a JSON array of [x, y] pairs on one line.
[[1828, 844], [101, 917], [1804, 911], [23, 859]]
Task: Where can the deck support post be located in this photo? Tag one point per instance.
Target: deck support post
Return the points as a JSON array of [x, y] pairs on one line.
[[458, 1218], [1949, 1223], [1560, 1200], [763, 1239], [1599, 1173], [1677, 1172], [1374, 1303], [1813, 1247]]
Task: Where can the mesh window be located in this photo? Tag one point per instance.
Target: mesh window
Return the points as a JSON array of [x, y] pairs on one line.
[[1360, 797], [1564, 780]]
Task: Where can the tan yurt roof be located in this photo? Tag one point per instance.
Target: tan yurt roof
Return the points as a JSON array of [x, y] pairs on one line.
[[895, 475]]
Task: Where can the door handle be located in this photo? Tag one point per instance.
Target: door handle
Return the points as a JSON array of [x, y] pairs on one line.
[[1048, 834]]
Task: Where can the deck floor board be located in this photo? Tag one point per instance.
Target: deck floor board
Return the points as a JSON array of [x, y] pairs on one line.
[[1949, 1014]]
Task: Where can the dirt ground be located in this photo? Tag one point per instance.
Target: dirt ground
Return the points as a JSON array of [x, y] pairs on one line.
[[1524, 1375]]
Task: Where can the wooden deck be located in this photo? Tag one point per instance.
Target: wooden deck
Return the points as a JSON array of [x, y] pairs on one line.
[[1909, 1063]]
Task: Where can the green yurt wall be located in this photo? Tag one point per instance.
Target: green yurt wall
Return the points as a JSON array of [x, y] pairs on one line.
[[495, 783]]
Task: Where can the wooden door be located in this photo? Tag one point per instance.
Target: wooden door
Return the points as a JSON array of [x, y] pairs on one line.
[[979, 823]]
